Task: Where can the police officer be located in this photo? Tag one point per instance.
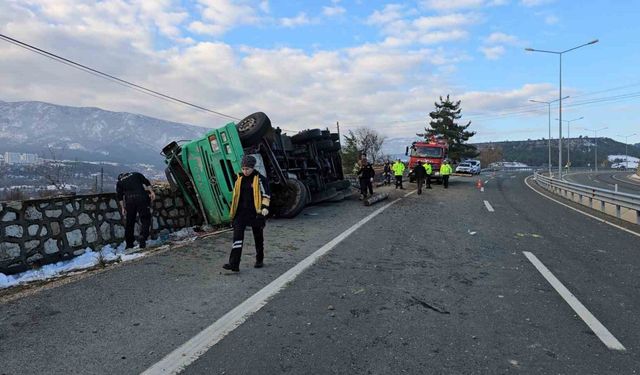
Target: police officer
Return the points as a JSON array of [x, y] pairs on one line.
[[445, 172], [249, 208], [398, 171], [419, 173], [365, 177], [429, 169], [135, 195]]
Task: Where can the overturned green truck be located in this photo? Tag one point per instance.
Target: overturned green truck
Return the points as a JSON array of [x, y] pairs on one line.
[[302, 169]]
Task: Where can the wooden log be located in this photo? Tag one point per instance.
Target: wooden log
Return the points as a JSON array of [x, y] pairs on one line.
[[375, 198]]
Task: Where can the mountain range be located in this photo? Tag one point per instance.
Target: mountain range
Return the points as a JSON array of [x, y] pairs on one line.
[[87, 133]]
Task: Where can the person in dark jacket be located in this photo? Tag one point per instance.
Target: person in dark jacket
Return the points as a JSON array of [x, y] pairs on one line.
[[249, 208], [420, 173], [135, 195], [365, 176], [387, 172]]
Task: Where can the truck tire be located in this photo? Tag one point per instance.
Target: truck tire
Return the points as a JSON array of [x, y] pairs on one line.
[[306, 136], [297, 200], [252, 128]]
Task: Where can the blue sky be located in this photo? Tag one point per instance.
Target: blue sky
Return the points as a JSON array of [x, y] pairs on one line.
[[311, 63]]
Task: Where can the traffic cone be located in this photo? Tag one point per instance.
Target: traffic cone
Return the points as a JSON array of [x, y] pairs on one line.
[[479, 184]]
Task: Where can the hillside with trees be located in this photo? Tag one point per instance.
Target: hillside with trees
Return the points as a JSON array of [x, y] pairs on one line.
[[535, 152]]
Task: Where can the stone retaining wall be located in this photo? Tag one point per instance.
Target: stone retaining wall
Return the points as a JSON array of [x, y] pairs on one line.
[[36, 232]]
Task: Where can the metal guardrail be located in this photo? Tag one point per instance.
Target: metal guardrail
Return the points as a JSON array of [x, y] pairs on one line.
[[616, 200]]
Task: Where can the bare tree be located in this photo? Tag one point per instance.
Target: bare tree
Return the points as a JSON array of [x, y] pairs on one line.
[[365, 141], [58, 174]]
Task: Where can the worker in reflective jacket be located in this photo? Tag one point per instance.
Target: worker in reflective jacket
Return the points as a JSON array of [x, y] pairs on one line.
[[429, 169], [398, 171], [445, 172], [249, 208]]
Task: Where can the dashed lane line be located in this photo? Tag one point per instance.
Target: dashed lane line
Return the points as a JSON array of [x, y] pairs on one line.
[[178, 360], [598, 328], [526, 181], [488, 206]]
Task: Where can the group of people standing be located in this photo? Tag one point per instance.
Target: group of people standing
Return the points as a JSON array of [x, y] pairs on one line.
[[422, 173]]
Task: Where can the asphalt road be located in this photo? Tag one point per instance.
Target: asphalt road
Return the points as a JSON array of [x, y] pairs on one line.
[[433, 284], [607, 180]]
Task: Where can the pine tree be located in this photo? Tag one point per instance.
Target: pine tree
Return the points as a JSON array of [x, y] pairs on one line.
[[443, 124]]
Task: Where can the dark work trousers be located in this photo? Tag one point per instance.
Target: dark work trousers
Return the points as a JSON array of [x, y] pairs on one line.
[[240, 224], [387, 178], [366, 184], [445, 181], [137, 205], [428, 181], [399, 182], [419, 181]]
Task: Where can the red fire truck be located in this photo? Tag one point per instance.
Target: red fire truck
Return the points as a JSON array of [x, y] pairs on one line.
[[434, 150]]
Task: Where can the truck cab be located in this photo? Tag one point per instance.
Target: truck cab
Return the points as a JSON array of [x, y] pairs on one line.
[[433, 151]]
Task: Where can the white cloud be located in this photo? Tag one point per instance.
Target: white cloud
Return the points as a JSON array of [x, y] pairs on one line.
[[219, 16], [333, 11], [534, 3], [299, 20], [449, 5], [401, 27], [501, 38], [551, 20], [493, 53]]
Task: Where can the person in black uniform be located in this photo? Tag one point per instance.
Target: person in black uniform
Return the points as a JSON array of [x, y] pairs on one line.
[[135, 195], [249, 208], [420, 173], [387, 172], [365, 177]]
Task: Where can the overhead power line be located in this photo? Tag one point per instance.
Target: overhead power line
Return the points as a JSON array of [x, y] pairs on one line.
[[110, 77]]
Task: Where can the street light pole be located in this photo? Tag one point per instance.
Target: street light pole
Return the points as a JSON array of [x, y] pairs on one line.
[[560, 53], [595, 138], [548, 103], [626, 148], [569, 139]]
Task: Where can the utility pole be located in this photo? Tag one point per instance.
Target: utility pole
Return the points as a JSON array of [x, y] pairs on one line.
[[101, 179], [339, 136]]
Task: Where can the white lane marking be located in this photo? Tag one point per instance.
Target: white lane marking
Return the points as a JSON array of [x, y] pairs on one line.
[[409, 193], [486, 182], [600, 330], [488, 206], [189, 352], [584, 213]]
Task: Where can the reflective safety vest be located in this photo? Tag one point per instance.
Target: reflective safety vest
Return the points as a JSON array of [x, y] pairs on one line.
[[445, 169], [428, 168], [398, 168]]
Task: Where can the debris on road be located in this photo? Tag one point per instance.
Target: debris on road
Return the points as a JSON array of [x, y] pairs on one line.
[[472, 233], [375, 198]]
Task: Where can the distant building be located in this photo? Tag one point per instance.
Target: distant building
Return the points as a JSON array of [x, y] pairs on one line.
[[18, 158]]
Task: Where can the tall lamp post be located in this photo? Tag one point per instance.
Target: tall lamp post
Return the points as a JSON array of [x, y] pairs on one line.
[[595, 138], [626, 148], [569, 139], [560, 53], [549, 107]]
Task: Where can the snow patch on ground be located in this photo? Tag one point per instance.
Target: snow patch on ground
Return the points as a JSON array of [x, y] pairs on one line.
[[91, 258], [630, 162]]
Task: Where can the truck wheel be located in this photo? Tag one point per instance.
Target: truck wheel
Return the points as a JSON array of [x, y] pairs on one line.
[[297, 199], [307, 135], [252, 128]]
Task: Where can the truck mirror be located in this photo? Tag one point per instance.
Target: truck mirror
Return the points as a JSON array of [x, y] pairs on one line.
[[406, 152]]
